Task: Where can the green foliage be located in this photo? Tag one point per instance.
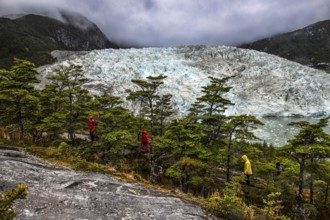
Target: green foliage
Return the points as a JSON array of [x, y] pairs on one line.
[[193, 153], [119, 144], [66, 156], [33, 37], [310, 143], [64, 103], [64, 149], [148, 96], [18, 97], [237, 129], [230, 205], [102, 104], [212, 100], [194, 172], [272, 207], [163, 110], [8, 198], [20, 40]]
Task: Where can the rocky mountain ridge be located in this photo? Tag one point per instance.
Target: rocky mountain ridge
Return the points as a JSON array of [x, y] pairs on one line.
[[33, 37], [309, 46]]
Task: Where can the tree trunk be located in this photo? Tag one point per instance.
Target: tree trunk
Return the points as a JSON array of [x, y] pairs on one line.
[[21, 125], [326, 193], [161, 126], [301, 182], [311, 186], [152, 165], [228, 162], [229, 155], [151, 117]]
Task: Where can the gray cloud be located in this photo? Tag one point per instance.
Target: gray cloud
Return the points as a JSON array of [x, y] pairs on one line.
[[171, 22]]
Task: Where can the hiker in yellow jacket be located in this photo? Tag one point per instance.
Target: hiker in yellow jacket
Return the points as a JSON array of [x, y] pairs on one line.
[[247, 169]]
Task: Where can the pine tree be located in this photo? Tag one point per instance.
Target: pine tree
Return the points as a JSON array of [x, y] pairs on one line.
[[213, 100], [238, 129], [188, 160], [116, 129], [310, 143], [65, 102], [18, 96], [148, 95], [212, 105], [163, 110]]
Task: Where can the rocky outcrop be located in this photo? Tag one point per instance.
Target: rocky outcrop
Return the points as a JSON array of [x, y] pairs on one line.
[[73, 33], [60, 193]]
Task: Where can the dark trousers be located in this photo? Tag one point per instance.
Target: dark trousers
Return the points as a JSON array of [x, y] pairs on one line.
[[247, 180], [145, 148], [93, 136]]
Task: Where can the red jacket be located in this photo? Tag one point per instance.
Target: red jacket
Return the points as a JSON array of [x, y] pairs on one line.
[[92, 124], [145, 138]]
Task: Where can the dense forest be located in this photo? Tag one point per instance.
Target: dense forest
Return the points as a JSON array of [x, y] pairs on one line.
[[199, 154]]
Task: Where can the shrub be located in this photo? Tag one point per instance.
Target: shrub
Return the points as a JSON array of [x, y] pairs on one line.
[[7, 199], [230, 205]]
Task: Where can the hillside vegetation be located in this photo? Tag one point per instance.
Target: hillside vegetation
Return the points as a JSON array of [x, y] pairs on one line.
[[199, 154], [33, 37], [309, 46]]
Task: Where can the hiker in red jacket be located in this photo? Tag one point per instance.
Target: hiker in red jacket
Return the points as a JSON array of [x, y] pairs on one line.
[[92, 126], [145, 142]]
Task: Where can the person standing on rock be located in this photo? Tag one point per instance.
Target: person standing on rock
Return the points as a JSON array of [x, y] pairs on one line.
[[247, 169], [92, 126]]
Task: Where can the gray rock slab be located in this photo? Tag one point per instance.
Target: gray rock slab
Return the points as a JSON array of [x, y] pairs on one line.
[[60, 193]]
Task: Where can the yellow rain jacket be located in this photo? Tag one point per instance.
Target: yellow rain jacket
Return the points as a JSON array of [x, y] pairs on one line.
[[247, 165]]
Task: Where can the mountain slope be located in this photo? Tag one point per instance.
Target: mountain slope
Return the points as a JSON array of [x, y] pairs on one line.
[[32, 37], [308, 46]]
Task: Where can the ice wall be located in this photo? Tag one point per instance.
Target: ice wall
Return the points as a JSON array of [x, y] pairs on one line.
[[263, 84]]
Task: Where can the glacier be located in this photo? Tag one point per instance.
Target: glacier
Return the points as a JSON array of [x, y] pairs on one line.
[[263, 85]]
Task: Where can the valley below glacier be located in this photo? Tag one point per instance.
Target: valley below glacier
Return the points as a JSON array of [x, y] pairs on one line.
[[263, 85]]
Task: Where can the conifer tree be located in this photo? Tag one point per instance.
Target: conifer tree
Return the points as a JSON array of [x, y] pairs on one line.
[[188, 162], [102, 104], [117, 127], [310, 143], [213, 100], [323, 174], [238, 129], [18, 96], [212, 105], [148, 95], [65, 102], [209, 109], [163, 110]]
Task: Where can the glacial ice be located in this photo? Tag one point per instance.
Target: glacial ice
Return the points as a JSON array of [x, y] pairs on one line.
[[263, 84]]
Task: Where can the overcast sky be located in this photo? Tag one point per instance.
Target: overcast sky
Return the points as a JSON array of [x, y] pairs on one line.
[[166, 23]]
